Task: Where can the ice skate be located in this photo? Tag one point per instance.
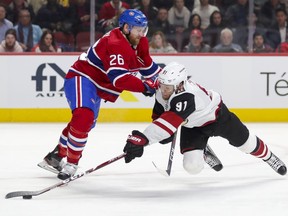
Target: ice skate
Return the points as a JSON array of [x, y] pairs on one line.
[[52, 162], [276, 164], [68, 170], [211, 159]]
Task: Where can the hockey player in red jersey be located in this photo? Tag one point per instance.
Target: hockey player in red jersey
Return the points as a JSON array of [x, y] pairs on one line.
[[103, 72], [180, 99]]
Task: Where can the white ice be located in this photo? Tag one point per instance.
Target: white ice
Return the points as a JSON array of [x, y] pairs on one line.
[[245, 186]]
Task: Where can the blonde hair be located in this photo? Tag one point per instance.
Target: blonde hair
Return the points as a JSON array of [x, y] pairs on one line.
[[161, 34]]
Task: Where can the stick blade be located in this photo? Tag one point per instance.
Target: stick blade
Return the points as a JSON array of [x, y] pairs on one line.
[[19, 194], [163, 172]]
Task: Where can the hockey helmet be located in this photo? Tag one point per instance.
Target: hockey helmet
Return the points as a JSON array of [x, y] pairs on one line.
[[173, 74], [132, 17]]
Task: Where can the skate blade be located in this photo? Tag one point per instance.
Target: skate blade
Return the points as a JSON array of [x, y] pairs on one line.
[[45, 166]]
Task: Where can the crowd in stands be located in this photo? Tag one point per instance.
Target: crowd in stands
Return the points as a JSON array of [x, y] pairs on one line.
[[189, 26]]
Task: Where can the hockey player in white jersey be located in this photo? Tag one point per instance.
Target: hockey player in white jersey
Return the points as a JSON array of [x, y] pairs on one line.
[[180, 99]]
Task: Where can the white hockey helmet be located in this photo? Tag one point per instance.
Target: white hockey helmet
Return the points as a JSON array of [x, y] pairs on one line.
[[173, 74]]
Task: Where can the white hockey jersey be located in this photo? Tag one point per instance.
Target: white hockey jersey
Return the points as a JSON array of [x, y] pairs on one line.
[[196, 105]]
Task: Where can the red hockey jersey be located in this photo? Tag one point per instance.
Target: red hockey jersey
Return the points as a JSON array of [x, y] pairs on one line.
[[112, 65]]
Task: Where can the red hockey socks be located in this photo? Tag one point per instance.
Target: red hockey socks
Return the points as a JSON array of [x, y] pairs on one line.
[[62, 144], [80, 125]]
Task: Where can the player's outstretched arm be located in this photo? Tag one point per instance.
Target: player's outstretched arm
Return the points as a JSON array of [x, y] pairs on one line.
[[135, 145]]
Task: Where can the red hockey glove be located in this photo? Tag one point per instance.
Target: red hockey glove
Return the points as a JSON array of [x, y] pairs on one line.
[[135, 145], [150, 86]]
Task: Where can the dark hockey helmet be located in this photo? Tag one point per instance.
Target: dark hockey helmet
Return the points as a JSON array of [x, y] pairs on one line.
[[133, 17]]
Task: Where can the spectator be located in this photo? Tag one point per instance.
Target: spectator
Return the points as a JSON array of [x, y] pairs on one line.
[[6, 2], [223, 5], [285, 2], [194, 23], [259, 45], [80, 11], [226, 45], [278, 33], [28, 34], [10, 44], [282, 48], [47, 43], [98, 4], [149, 10], [236, 14], [5, 24], [14, 9], [204, 11], [54, 17], [257, 6], [267, 12], [242, 32], [109, 11], [64, 3], [37, 4], [113, 22], [179, 15], [159, 44], [162, 24], [211, 34], [196, 43]]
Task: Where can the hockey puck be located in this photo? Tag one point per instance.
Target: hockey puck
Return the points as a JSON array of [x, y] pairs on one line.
[[27, 197]]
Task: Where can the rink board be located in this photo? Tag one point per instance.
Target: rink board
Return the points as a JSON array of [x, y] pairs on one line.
[[254, 87]]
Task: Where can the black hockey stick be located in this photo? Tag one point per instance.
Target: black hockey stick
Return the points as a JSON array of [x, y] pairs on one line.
[[29, 194]]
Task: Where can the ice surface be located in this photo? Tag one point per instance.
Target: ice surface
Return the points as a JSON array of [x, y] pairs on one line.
[[245, 186]]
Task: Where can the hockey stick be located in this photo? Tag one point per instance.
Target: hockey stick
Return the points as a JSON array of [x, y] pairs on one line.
[[29, 194], [170, 159], [167, 172]]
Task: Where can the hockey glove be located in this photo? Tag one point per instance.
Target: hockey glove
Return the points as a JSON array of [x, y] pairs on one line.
[[150, 86], [167, 140], [135, 145]]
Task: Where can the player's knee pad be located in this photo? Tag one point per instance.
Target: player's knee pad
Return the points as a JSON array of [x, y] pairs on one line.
[[193, 161], [82, 120]]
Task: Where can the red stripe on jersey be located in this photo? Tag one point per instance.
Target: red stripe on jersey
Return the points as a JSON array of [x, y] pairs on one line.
[[172, 119], [164, 127]]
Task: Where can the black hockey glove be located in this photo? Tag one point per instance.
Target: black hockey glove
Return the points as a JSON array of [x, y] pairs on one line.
[[150, 86], [135, 145], [167, 140]]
